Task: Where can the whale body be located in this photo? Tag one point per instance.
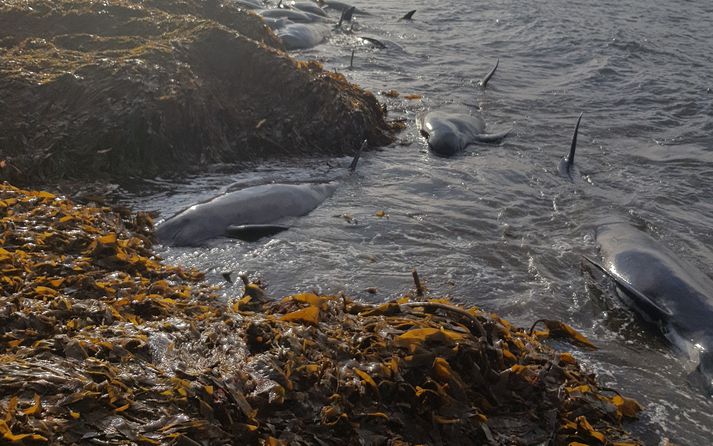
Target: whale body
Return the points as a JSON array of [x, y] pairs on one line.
[[257, 205], [297, 36], [450, 133], [664, 290]]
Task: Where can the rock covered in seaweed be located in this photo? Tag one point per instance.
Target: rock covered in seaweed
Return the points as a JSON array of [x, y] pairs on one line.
[[129, 87]]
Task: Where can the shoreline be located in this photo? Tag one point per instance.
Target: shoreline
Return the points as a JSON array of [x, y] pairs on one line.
[[101, 341]]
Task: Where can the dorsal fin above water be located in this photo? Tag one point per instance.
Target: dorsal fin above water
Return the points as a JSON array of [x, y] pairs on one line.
[[408, 15], [352, 166], [483, 83], [347, 15], [573, 147]]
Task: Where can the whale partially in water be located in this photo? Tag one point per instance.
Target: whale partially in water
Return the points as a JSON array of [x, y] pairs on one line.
[[448, 133], [257, 205], [247, 213], [297, 36], [665, 291]]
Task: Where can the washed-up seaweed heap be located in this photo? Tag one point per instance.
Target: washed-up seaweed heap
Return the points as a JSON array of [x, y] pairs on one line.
[[116, 88], [100, 343]]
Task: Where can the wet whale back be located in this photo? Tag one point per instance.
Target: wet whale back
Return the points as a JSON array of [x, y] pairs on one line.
[[682, 291], [302, 36], [253, 205]]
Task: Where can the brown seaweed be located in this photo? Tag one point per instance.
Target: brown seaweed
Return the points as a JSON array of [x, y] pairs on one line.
[[102, 343]]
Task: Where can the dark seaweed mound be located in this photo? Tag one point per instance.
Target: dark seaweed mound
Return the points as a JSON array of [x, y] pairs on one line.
[[94, 89]]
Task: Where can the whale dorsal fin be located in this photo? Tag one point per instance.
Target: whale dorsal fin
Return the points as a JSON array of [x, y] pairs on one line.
[[483, 83], [573, 147], [355, 160], [347, 15], [408, 15], [641, 299]]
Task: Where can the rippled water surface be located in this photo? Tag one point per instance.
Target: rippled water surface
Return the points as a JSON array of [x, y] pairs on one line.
[[497, 227]]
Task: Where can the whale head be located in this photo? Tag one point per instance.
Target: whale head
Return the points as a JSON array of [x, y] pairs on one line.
[[442, 137], [183, 229], [443, 143]]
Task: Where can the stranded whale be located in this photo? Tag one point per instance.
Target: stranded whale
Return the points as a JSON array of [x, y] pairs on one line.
[[297, 36], [664, 290], [247, 213], [448, 133]]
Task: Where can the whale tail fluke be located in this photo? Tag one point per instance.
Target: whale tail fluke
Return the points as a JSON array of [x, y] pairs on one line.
[[355, 160], [408, 15], [483, 83]]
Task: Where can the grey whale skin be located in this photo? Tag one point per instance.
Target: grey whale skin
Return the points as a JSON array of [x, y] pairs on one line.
[[448, 133], [664, 290], [297, 36], [257, 205]]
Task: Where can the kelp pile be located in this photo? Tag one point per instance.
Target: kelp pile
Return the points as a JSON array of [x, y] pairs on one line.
[[97, 89], [100, 343]]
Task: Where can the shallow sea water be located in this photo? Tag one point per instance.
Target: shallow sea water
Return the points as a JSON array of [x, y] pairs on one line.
[[497, 227]]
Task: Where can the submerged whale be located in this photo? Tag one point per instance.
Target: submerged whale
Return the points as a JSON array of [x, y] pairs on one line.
[[664, 290], [567, 168], [448, 133], [246, 213]]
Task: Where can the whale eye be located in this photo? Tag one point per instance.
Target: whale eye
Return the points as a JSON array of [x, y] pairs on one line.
[[424, 133]]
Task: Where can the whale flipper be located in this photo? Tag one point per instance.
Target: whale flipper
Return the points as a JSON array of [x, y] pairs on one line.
[[252, 233], [483, 83], [377, 43], [408, 15], [650, 307], [491, 137]]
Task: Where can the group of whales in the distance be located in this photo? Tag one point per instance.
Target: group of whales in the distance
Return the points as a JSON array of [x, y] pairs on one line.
[[304, 24], [665, 291]]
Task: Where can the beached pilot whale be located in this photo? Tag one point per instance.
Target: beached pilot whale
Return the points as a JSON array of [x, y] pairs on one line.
[[448, 133], [246, 214], [299, 36], [664, 290], [567, 168]]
